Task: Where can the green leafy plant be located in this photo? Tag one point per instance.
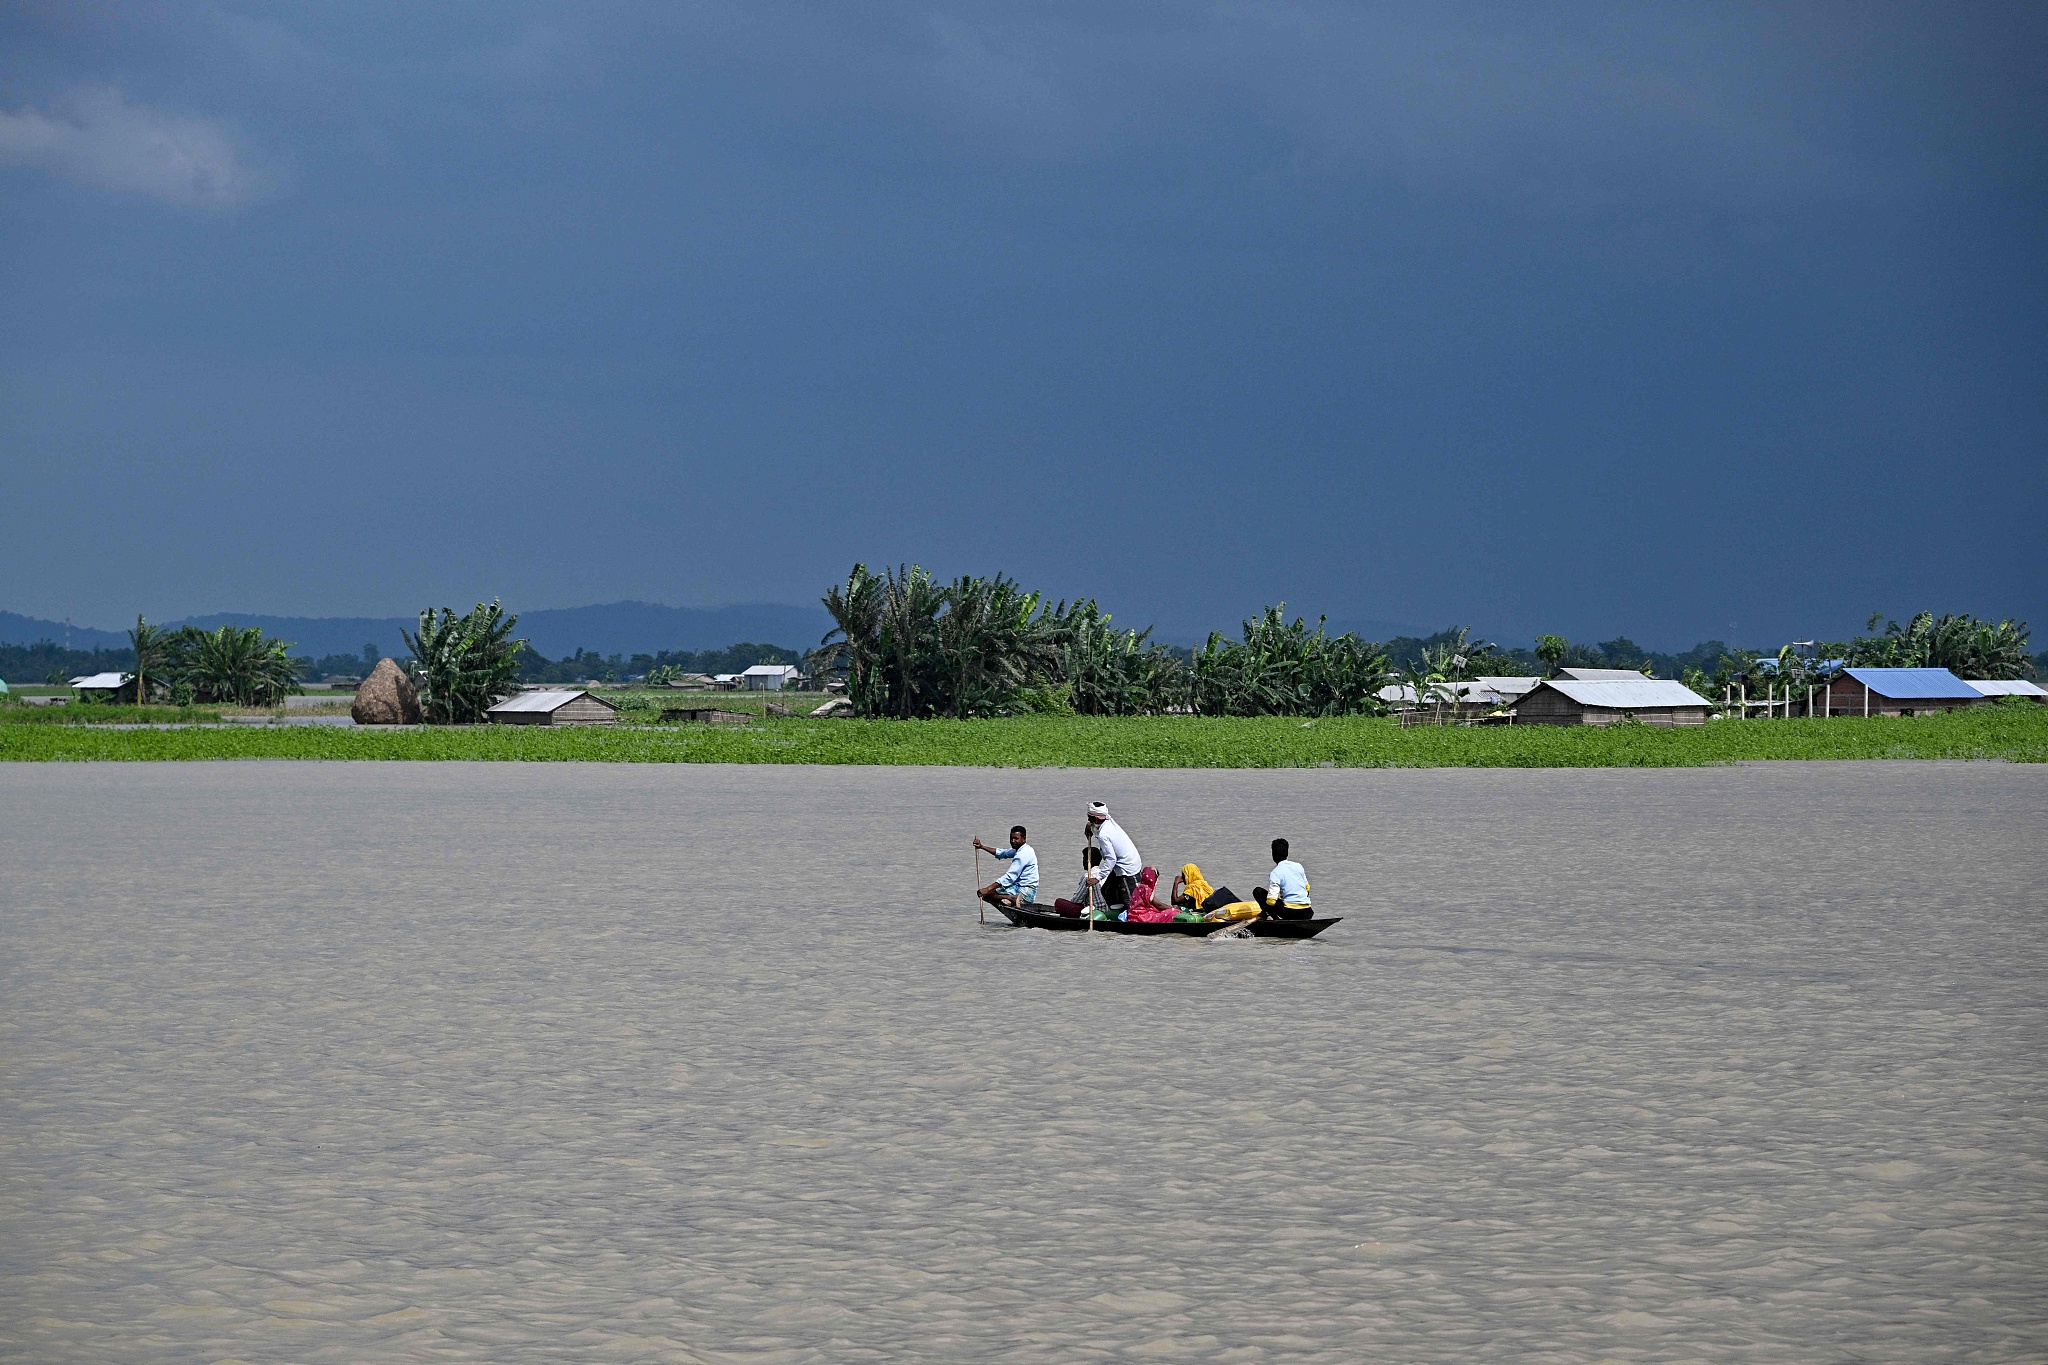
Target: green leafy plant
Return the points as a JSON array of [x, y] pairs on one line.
[[464, 665], [1282, 668], [1961, 643], [233, 665], [153, 656], [908, 646]]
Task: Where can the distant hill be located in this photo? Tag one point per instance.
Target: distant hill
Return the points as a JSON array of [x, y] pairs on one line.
[[612, 628], [16, 629], [314, 636], [645, 627]]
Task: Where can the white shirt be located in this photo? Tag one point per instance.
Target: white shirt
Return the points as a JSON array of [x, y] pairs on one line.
[[1289, 883], [1119, 854], [1023, 870]]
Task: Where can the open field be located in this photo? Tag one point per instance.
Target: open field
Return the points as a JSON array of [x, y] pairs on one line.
[[2017, 733], [507, 1063], [96, 713]]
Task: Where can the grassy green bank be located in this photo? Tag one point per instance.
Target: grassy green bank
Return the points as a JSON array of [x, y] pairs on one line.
[[99, 713], [2017, 733]]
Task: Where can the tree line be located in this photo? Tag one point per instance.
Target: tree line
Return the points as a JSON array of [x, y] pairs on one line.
[[908, 645]]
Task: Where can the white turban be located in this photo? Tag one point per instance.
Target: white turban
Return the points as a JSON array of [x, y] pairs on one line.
[[1098, 811]]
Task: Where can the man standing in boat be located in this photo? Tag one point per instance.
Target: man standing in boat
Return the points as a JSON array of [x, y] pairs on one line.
[[1118, 871]]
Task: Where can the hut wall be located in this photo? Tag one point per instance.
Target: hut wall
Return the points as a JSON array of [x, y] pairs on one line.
[[519, 718], [1664, 715], [1545, 707], [583, 711]]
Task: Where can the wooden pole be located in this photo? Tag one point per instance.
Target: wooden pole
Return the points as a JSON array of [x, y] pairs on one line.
[[978, 901], [1087, 889]]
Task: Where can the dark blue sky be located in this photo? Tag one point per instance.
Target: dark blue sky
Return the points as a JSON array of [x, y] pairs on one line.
[[1681, 321]]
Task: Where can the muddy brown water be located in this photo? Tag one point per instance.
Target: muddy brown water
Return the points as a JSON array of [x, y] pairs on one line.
[[417, 1062]]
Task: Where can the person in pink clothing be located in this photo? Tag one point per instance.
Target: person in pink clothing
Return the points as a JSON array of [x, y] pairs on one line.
[[1144, 908]]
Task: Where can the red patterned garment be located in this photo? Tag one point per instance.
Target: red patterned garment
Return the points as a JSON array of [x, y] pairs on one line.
[[1142, 909]]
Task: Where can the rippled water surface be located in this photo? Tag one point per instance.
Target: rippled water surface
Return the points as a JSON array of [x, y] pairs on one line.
[[396, 1062]]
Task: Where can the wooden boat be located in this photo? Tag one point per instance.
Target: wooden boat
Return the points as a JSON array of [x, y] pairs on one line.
[[1031, 917]]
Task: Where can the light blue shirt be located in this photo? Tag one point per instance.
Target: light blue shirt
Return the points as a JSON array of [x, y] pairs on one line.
[[1289, 883], [1023, 873]]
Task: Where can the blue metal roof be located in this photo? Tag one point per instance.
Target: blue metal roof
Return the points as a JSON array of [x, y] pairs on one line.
[[1914, 684]]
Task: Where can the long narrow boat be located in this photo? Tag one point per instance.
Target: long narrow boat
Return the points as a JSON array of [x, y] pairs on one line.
[[1262, 927]]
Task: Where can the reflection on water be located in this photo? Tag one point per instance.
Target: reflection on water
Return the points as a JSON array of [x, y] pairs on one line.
[[551, 1062]]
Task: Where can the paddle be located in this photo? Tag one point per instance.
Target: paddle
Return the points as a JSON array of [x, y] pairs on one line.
[[980, 904], [1087, 889], [1241, 929]]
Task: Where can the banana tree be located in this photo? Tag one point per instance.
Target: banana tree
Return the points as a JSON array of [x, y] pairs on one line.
[[464, 665]]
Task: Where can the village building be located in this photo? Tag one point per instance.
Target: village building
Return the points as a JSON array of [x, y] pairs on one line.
[[99, 686], [1895, 692], [554, 707], [770, 677], [1603, 701], [114, 687], [2008, 687]]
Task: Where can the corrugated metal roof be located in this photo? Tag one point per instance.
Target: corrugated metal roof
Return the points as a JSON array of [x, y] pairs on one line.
[[1641, 693], [2006, 687], [545, 701], [1602, 674], [1913, 684], [98, 680], [1508, 687], [770, 671]]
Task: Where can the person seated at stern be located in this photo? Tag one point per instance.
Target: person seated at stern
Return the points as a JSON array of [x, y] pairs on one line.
[[1285, 894], [1018, 886]]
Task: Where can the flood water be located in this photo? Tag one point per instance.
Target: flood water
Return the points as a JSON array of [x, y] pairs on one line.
[[422, 1062]]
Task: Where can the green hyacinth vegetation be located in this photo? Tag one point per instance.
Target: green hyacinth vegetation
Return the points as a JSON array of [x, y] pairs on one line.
[[2011, 731]]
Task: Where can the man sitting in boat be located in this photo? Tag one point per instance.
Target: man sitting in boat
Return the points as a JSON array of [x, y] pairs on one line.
[[1088, 895], [1019, 883], [1120, 861], [1285, 894]]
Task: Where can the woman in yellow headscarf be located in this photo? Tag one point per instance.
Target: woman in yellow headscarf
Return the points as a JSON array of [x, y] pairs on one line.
[[1193, 896]]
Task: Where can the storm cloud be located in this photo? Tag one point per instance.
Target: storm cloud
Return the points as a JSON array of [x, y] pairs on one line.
[[1683, 321]]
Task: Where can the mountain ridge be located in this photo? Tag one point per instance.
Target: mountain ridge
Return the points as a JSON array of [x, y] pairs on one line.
[[626, 627]]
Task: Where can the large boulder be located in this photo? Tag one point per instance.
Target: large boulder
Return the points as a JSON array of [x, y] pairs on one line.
[[387, 697]]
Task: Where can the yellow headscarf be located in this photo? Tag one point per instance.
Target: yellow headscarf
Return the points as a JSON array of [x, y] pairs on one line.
[[1194, 884]]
